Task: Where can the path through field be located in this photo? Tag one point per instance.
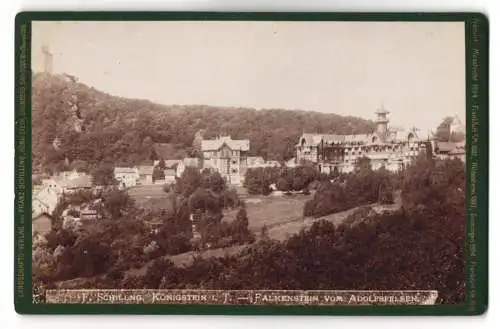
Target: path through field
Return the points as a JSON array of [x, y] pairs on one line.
[[282, 215], [150, 197]]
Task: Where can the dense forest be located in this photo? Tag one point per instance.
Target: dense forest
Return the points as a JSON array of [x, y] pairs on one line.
[[78, 126]]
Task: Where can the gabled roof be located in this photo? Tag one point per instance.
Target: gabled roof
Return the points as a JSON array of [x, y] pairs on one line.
[[233, 144], [43, 214], [445, 147], [125, 170], [171, 163], [310, 139], [358, 138], [329, 138], [80, 182]]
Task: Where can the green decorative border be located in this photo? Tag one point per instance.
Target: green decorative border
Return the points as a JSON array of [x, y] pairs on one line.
[[477, 56]]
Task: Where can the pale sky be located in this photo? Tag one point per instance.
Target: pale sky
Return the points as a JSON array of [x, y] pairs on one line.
[[417, 70]]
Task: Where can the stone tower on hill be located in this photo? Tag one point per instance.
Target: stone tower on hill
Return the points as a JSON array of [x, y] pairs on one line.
[[47, 60]]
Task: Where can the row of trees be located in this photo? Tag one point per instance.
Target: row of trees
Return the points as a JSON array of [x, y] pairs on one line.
[[259, 180], [360, 187]]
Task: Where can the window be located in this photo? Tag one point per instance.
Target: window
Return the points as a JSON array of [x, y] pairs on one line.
[[234, 171], [234, 162]]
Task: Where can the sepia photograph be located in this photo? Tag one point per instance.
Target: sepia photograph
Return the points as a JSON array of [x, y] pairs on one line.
[[248, 162]]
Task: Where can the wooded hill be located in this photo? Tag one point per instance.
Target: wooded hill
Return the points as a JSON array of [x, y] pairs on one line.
[[75, 125]]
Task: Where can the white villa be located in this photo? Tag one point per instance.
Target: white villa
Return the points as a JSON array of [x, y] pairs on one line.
[[226, 156]]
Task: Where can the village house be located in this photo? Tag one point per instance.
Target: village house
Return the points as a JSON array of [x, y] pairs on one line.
[[45, 201], [126, 176], [449, 150], [226, 156], [70, 175], [392, 149], [67, 182], [46, 197], [80, 183]]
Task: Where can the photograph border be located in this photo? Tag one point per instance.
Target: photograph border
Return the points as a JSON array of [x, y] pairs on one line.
[[477, 55]]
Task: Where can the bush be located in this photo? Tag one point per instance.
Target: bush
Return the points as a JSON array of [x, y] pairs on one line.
[[258, 180]]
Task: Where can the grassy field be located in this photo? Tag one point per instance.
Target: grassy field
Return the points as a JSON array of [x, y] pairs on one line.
[[149, 196], [271, 211], [262, 211], [146, 191], [282, 215]]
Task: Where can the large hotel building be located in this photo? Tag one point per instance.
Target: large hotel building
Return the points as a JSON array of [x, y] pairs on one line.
[[384, 147]]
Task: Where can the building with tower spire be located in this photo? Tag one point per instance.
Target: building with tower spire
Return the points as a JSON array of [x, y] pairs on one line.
[[385, 147], [382, 121], [47, 60]]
